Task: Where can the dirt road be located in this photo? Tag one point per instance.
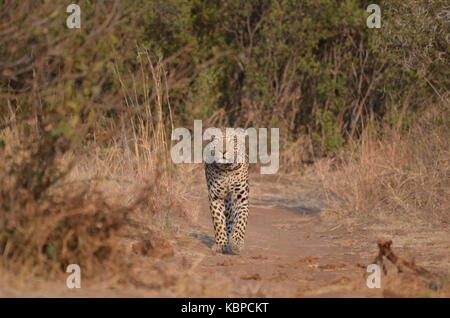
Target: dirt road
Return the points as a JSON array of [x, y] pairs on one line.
[[291, 251], [286, 255]]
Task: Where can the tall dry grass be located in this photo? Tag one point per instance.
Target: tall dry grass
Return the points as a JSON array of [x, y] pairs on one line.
[[403, 176], [65, 202]]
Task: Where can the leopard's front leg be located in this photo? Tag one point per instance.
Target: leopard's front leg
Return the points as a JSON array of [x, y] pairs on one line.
[[217, 207], [239, 198]]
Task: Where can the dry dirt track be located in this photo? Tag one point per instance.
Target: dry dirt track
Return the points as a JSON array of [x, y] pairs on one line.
[[291, 251], [287, 255]]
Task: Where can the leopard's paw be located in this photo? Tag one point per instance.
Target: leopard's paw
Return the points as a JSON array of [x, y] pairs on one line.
[[235, 248], [216, 248]]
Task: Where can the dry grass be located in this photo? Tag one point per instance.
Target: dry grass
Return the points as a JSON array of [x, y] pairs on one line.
[[398, 176], [67, 203]]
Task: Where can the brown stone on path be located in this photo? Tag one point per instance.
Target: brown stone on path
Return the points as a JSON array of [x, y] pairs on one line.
[[153, 247], [255, 276]]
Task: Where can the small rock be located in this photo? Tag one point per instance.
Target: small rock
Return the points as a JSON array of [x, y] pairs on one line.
[[153, 247]]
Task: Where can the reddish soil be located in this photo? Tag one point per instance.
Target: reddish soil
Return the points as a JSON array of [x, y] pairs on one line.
[[291, 251]]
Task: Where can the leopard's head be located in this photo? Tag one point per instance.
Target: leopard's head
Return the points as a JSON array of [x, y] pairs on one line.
[[225, 158]]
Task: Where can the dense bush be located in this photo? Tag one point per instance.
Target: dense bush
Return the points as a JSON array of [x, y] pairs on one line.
[[312, 68]]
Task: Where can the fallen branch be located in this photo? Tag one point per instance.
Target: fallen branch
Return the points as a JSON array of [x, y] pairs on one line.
[[433, 280]]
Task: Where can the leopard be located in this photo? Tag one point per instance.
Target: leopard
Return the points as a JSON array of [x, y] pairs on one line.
[[228, 195]]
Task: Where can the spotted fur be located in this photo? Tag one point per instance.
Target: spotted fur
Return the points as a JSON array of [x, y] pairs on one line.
[[228, 194]]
